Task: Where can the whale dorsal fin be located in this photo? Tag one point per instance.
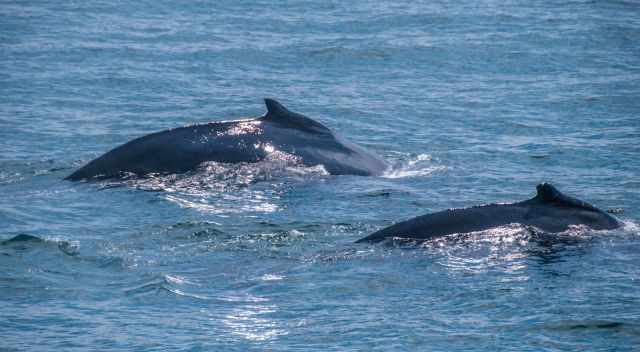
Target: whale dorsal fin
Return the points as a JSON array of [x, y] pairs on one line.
[[274, 108], [276, 112], [547, 193]]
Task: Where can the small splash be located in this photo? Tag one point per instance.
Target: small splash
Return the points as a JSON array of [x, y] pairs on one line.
[[502, 249], [271, 277], [71, 248], [176, 279], [307, 172], [584, 232], [171, 284], [221, 188], [630, 227], [421, 165], [24, 242]]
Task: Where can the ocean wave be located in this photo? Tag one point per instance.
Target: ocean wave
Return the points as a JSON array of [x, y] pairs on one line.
[[23, 242], [220, 188], [418, 166]]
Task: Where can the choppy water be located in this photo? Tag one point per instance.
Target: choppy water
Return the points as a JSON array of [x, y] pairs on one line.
[[473, 102]]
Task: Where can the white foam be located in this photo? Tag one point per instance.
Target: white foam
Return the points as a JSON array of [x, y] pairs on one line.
[[419, 166]]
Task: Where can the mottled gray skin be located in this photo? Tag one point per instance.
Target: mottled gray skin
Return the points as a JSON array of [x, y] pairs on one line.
[[280, 135], [549, 211]]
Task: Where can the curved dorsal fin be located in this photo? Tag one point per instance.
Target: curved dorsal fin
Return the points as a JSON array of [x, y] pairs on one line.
[[274, 108], [549, 194], [276, 112]]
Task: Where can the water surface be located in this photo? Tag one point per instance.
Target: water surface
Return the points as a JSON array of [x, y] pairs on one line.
[[473, 102]]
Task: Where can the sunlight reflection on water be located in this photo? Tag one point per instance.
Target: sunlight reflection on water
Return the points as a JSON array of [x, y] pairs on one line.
[[252, 322]]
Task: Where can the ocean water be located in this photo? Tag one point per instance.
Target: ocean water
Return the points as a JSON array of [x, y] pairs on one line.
[[473, 102]]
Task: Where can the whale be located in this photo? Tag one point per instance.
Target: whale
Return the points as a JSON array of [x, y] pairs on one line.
[[279, 135], [21, 238], [549, 211]]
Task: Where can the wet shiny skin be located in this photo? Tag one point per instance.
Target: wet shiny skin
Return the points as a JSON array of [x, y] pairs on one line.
[[280, 135], [549, 211]]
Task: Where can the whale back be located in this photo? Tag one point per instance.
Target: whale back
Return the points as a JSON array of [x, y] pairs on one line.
[[549, 211], [280, 115], [553, 211], [279, 133], [548, 194]]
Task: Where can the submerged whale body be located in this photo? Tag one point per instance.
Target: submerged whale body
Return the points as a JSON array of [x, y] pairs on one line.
[[21, 238], [278, 135], [549, 211]]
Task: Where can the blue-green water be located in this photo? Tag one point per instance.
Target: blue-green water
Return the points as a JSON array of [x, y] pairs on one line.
[[473, 102]]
